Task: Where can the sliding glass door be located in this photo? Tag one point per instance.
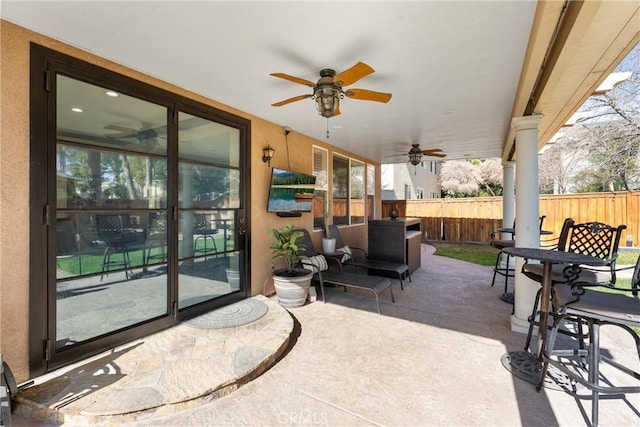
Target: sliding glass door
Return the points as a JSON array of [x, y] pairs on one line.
[[143, 205]]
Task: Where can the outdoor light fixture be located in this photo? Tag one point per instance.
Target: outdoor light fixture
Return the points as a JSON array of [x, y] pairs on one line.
[[415, 155], [327, 100], [267, 154]]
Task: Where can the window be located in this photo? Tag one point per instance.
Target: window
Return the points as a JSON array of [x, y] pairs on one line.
[[357, 200], [340, 194], [407, 192], [371, 191], [320, 200], [419, 193]]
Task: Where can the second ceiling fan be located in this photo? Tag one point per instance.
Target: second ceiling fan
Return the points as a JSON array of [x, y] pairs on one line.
[[415, 154], [328, 90]]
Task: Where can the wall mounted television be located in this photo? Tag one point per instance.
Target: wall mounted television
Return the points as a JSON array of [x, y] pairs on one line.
[[290, 193]]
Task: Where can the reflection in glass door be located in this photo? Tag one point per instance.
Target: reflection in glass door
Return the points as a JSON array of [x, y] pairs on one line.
[[209, 253], [111, 210], [116, 246]]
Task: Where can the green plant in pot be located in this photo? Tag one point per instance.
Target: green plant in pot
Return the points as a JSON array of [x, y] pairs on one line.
[[291, 283]]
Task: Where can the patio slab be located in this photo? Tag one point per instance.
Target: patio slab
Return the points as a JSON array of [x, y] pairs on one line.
[[432, 358]]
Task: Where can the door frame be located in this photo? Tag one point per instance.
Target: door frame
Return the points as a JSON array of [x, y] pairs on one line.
[[42, 266]]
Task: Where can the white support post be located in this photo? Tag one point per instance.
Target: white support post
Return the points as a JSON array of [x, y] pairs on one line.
[[508, 194], [527, 206]]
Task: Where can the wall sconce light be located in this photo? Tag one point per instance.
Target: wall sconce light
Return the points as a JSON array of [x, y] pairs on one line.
[[267, 154]]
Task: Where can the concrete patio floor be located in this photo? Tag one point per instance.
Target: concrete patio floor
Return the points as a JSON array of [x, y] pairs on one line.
[[432, 358]]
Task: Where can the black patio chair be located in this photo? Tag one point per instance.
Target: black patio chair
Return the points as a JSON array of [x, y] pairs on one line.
[[205, 232], [357, 257], [588, 302], [119, 236], [590, 238], [329, 270], [508, 269]]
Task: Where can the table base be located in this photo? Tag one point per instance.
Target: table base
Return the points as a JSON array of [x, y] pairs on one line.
[[526, 366]]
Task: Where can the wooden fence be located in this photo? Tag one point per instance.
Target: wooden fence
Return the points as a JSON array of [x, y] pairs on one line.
[[473, 219]]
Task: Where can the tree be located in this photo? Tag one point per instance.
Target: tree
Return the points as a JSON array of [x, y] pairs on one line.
[[470, 178], [491, 177], [601, 151]]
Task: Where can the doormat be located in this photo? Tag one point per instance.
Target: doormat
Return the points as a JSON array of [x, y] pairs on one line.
[[236, 314]]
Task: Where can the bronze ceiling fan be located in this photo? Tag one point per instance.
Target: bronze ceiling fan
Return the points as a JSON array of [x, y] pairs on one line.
[[415, 154], [329, 89]]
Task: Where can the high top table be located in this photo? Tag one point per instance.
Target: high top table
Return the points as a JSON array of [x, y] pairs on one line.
[[524, 364]]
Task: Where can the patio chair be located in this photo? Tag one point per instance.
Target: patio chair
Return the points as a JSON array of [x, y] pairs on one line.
[[205, 233], [323, 274], [156, 239], [68, 241], [117, 233], [590, 238], [508, 270], [586, 301], [358, 257]]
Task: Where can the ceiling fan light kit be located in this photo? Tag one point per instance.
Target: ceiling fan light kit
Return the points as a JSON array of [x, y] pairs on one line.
[[415, 155], [328, 100]]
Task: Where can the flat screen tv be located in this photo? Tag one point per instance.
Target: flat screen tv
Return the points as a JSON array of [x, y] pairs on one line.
[[290, 192]]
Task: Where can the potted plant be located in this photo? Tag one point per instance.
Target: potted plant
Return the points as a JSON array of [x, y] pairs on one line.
[[233, 272], [292, 282], [328, 242]]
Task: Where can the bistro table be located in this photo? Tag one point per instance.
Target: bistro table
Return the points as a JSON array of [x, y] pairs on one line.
[[524, 364]]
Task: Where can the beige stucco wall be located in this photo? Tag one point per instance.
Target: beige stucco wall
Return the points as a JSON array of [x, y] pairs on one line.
[[14, 184]]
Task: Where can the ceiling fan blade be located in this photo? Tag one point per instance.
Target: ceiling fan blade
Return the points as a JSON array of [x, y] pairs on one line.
[[120, 128], [368, 95], [396, 155], [294, 79], [120, 135], [294, 99], [432, 150], [353, 74], [430, 153]]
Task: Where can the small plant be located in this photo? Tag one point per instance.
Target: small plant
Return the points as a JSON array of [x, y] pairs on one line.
[[286, 246]]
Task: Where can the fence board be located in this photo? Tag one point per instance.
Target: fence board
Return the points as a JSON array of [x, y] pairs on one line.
[[473, 219]]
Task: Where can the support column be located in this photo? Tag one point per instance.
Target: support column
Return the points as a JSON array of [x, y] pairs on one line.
[[508, 194], [527, 206]]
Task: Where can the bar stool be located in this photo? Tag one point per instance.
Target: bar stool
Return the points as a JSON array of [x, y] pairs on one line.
[[595, 308], [205, 233], [506, 271]]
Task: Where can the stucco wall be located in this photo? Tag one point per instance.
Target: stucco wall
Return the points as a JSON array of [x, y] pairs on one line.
[[14, 183]]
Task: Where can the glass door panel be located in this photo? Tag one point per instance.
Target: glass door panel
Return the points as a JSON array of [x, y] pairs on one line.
[[110, 212], [208, 199]]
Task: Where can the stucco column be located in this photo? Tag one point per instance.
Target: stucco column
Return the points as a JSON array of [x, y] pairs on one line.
[[508, 194], [527, 206]]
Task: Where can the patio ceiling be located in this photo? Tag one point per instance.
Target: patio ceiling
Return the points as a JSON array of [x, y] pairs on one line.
[[458, 70]]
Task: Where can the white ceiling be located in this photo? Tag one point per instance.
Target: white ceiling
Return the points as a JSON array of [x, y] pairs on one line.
[[453, 67]]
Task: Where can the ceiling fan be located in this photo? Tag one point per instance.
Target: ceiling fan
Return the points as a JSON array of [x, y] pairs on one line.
[[124, 132], [415, 154], [328, 90], [146, 136]]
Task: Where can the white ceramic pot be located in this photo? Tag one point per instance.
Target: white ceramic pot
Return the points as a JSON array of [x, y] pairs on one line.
[[328, 245], [292, 291], [233, 277]]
